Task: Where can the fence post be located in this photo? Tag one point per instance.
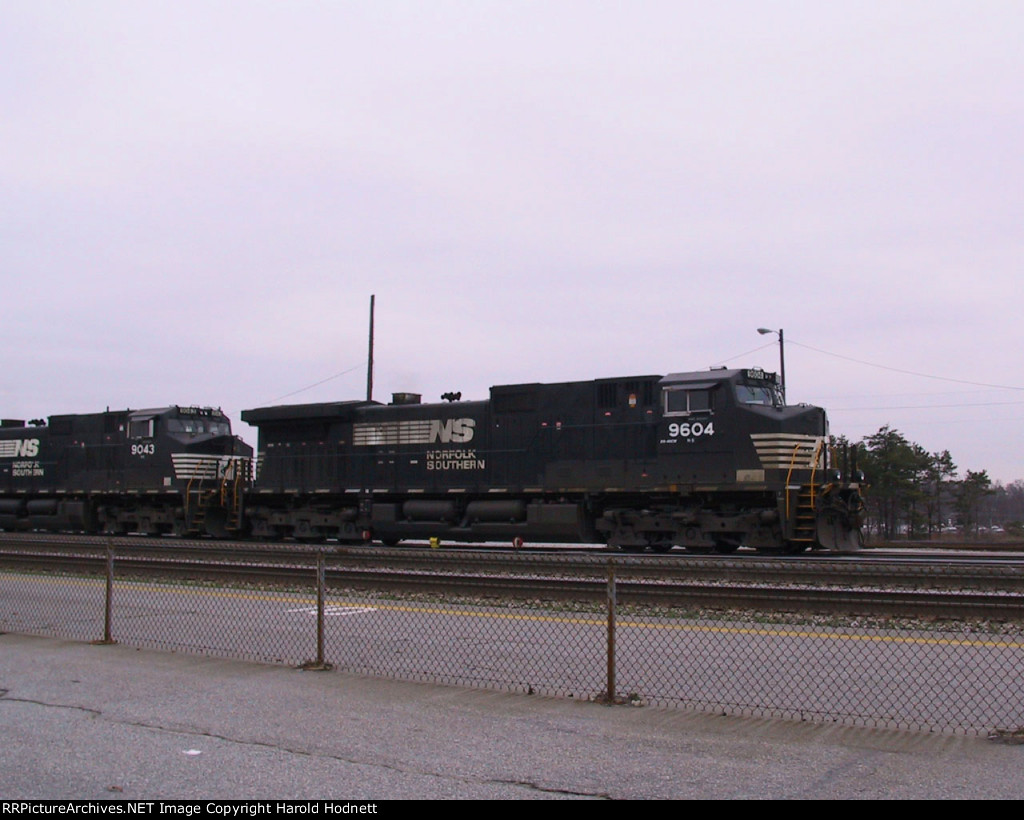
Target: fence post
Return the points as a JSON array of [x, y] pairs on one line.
[[319, 665], [610, 691], [320, 580], [108, 608]]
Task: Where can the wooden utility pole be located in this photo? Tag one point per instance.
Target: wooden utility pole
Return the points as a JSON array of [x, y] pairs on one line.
[[369, 358]]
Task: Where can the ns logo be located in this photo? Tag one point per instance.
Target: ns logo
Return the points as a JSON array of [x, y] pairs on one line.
[[19, 448], [451, 430]]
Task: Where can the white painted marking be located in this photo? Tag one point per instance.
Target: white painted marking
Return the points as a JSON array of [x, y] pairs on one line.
[[336, 610]]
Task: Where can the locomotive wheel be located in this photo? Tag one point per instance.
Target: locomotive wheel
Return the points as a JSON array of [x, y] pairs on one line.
[[391, 542], [725, 547]]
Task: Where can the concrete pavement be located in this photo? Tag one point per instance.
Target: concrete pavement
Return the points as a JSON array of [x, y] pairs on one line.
[[93, 722]]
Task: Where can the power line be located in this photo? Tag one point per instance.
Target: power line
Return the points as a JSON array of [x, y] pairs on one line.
[[790, 341], [905, 372], [742, 355], [315, 384], [923, 406]]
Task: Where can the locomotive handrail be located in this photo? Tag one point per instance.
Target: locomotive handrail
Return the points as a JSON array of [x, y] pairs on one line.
[[188, 494], [789, 474], [199, 474], [230, 483], [814, 468], [239, 480]]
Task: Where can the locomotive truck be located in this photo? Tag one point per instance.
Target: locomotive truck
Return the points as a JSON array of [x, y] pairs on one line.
[[707, 460]]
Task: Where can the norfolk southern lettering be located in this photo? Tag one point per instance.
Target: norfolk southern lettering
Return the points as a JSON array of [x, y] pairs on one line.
[[425, 431], [454, 460]]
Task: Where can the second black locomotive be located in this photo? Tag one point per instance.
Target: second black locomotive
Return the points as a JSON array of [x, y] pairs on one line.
[[706, 460]]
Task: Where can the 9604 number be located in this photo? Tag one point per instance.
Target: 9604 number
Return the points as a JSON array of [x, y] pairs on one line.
[[691, 429]]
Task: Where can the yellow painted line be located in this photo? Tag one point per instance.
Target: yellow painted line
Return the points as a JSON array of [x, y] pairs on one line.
[[48, 579], [724, 630], [830, 636], [764, 632]]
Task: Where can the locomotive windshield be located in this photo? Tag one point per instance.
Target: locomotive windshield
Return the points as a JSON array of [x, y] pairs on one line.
[[199, 425], [768, 395]]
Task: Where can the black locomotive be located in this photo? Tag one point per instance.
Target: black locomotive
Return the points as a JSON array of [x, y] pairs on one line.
[[176, 470], [705, 460]]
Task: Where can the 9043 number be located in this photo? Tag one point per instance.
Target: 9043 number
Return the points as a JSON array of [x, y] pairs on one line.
[[143, 449]]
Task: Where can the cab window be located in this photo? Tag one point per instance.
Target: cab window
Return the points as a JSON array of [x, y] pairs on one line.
[[142, 427], [681, 401]]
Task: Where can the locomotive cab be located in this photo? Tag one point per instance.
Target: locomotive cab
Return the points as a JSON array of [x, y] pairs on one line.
[[733, 426], [741, 467], [204, 469], [178, 446]]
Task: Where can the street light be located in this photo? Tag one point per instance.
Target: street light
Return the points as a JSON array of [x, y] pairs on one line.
[[782, 356]]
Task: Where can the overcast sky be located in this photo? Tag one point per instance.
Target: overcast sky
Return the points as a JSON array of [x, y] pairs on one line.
[[197, 200]]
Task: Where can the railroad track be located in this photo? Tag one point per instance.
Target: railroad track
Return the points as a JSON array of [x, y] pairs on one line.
[[935, 571], [882, 588]]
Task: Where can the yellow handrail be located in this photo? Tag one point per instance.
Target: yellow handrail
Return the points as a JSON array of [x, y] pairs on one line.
[[200, 469], [229, 488], [814, 469]]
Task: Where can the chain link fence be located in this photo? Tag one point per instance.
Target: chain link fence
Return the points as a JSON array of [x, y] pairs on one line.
[[323, 610]]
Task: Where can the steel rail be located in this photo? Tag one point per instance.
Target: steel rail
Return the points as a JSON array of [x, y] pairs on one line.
[[918, 572]]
